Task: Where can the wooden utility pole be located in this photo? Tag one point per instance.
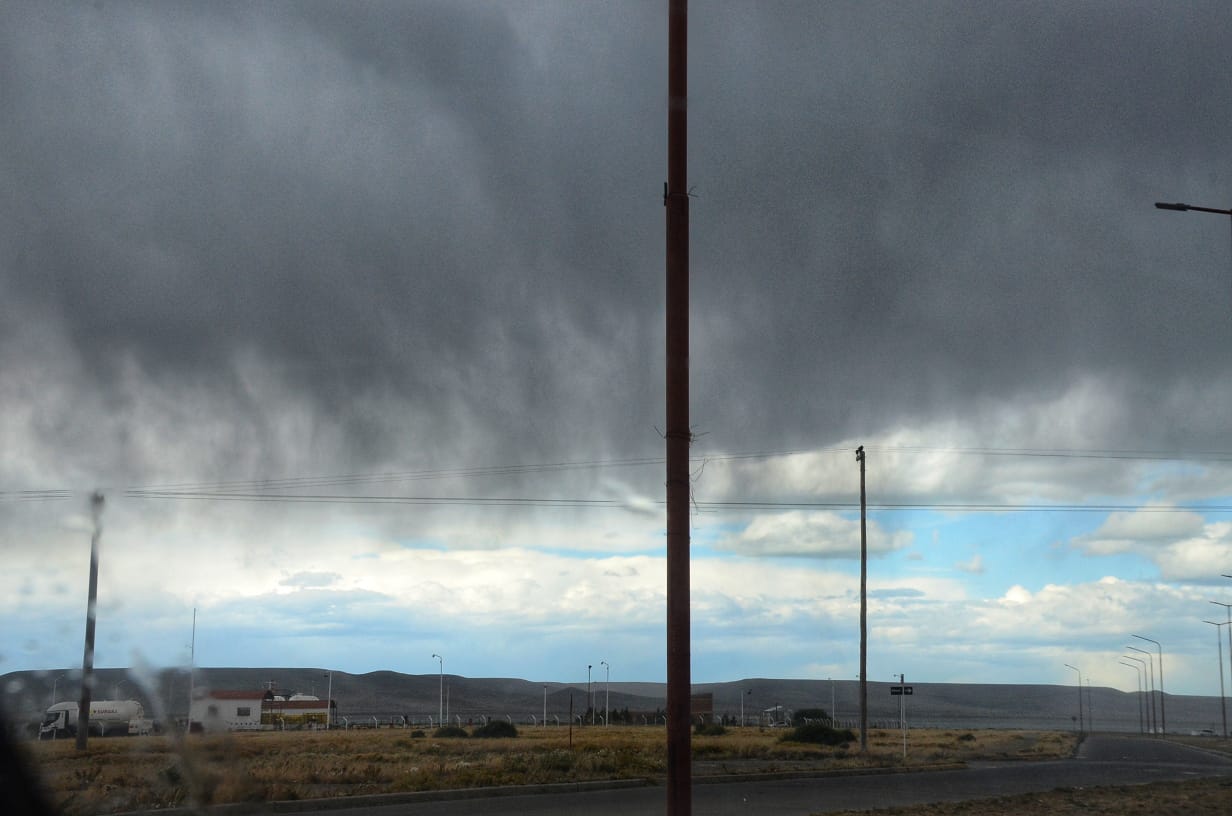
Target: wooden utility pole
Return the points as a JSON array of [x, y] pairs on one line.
[[678, 435], [863, 609]]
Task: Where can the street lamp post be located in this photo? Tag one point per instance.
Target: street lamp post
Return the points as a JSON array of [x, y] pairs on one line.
[[1138, 677], [607, 692], [1223, 703], [1178, 207], [1150, 709], [55, 683], [440, 711], [1163, 714], [747, 693], [545, 706], [1075, 668], [590, 695], [1150, 659], [1228, 609], [329, 701], [831, 701]]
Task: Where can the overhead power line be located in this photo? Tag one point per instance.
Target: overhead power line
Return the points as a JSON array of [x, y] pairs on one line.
[[701, 505], [280, 486]]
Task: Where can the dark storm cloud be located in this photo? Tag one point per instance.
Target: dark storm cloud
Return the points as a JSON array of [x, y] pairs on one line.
[[438, 223], [389, 198], [922, 205]]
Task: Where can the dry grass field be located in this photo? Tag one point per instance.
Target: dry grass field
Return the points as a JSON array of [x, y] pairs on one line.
[[118, 774], [1198, 797]]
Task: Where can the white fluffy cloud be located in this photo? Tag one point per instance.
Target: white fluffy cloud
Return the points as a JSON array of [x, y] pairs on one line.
[[810, 535], [1182, 544]]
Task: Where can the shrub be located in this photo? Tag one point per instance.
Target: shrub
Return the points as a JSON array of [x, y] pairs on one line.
[[709, 730], [449, 731], [967, 738], [819, 734], [495, 729], [416, 733]]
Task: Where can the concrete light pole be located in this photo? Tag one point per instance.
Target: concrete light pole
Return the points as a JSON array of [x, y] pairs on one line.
[[1223, 703], [1150, 659], [1080, 723], [329, 702], [1138, 677], [1150, 708], [55, 683], [440, 711], [1163, 714], [590, 695], [1228, 609], [192, 668], [607, 693]]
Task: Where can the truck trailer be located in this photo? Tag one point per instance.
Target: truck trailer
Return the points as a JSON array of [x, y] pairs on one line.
[[106, 717]]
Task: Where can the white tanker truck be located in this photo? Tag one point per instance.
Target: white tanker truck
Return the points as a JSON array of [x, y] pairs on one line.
[[106, 717]]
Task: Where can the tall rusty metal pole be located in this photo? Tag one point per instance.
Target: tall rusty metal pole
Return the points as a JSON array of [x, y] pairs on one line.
[[863, 609], [678, 436], [87, 661]]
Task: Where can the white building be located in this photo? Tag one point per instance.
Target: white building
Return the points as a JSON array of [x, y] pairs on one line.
[[214, 711]]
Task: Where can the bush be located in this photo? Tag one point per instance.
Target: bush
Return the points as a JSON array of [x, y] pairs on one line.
[[709, 730], [449, 731], [416, 733], [967, 738], [819, 734], [495, 729]]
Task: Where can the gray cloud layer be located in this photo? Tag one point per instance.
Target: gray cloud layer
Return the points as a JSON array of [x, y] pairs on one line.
[[364, 236]]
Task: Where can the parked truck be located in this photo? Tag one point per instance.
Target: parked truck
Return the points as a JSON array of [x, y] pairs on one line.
[[106, 717]]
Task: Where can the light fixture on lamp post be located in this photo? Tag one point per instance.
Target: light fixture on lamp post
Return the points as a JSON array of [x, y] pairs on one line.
[[1178, 207]]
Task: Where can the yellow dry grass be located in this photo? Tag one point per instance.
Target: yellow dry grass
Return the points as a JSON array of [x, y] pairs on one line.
[[120, 774]]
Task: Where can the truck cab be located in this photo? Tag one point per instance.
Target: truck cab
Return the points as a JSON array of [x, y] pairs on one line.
[[60, 718]]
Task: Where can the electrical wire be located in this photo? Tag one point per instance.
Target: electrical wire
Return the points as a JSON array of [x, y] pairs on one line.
[[276, 489]]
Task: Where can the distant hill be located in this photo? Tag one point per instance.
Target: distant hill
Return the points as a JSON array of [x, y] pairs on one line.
[[388, 696]]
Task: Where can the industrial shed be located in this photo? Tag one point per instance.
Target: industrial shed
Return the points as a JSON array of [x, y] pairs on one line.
[[297, 711], [214, 711]]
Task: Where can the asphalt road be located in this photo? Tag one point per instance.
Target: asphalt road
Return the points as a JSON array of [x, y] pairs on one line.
[[1101, 761]]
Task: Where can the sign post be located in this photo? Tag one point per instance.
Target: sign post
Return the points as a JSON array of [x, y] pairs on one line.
[[902, 692]]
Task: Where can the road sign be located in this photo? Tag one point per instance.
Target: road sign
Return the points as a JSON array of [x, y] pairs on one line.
[[896, 691]]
